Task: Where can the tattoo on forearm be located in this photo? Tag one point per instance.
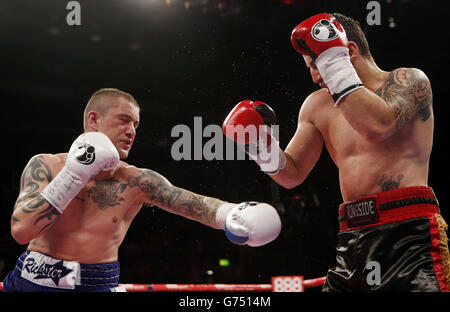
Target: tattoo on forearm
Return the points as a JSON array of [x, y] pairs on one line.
[[390, 182], [33, 204], [50, 213], [409, 92], [30, 201], [162, 193]]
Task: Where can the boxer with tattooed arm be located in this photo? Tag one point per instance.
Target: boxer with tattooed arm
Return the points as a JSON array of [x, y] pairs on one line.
[[74, 209], [378, 129]]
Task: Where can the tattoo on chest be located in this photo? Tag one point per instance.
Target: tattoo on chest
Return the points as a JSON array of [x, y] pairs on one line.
[[107, 193], [390, 182]]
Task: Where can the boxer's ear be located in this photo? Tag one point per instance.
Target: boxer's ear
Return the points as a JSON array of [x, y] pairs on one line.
[[353, 50], [93, 118]]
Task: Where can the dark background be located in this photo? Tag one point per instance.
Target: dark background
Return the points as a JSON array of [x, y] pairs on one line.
[[180, 62]]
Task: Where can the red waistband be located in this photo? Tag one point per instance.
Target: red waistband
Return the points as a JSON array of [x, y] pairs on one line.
[[390, 206]]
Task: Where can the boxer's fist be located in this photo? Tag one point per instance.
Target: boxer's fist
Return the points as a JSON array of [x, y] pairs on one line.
[[91, 153], [324, 40], [252, 223], [247, 113], [249, 124], [317, 34]]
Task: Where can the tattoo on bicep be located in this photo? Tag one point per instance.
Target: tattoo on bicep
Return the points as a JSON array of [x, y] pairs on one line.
[[155, 187], [160, 192], [36, 171], [390, 182], [425, 112], [408, 91]]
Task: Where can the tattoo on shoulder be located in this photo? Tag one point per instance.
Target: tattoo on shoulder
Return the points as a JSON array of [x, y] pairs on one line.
[[408, 90], [390, 182]]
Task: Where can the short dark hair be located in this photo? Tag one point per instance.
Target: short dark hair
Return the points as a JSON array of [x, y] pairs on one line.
[[354, 33], [97, 103]]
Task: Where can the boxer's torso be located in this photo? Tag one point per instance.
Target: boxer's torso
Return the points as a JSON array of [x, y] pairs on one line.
[[367, 167], [94, 224]]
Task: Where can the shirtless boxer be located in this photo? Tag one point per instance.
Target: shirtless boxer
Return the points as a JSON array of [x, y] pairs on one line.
[[378, 128], [75, 208]]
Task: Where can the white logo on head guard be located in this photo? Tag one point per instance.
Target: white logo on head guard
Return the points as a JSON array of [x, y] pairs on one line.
[[86, 154], [324, 31]]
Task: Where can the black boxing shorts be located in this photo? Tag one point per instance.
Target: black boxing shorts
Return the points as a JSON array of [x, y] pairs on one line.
[[391, 241]]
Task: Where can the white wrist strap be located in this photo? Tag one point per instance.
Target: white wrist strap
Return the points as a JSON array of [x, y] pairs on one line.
[[338, 72], [62, 189], [271, 159], [222, 213]]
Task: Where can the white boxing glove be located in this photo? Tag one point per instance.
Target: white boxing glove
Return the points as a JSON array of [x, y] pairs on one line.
[[89, 154], [250, 223], [270, 158]]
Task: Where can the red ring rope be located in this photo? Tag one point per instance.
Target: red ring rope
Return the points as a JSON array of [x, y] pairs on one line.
[[315, 282]]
